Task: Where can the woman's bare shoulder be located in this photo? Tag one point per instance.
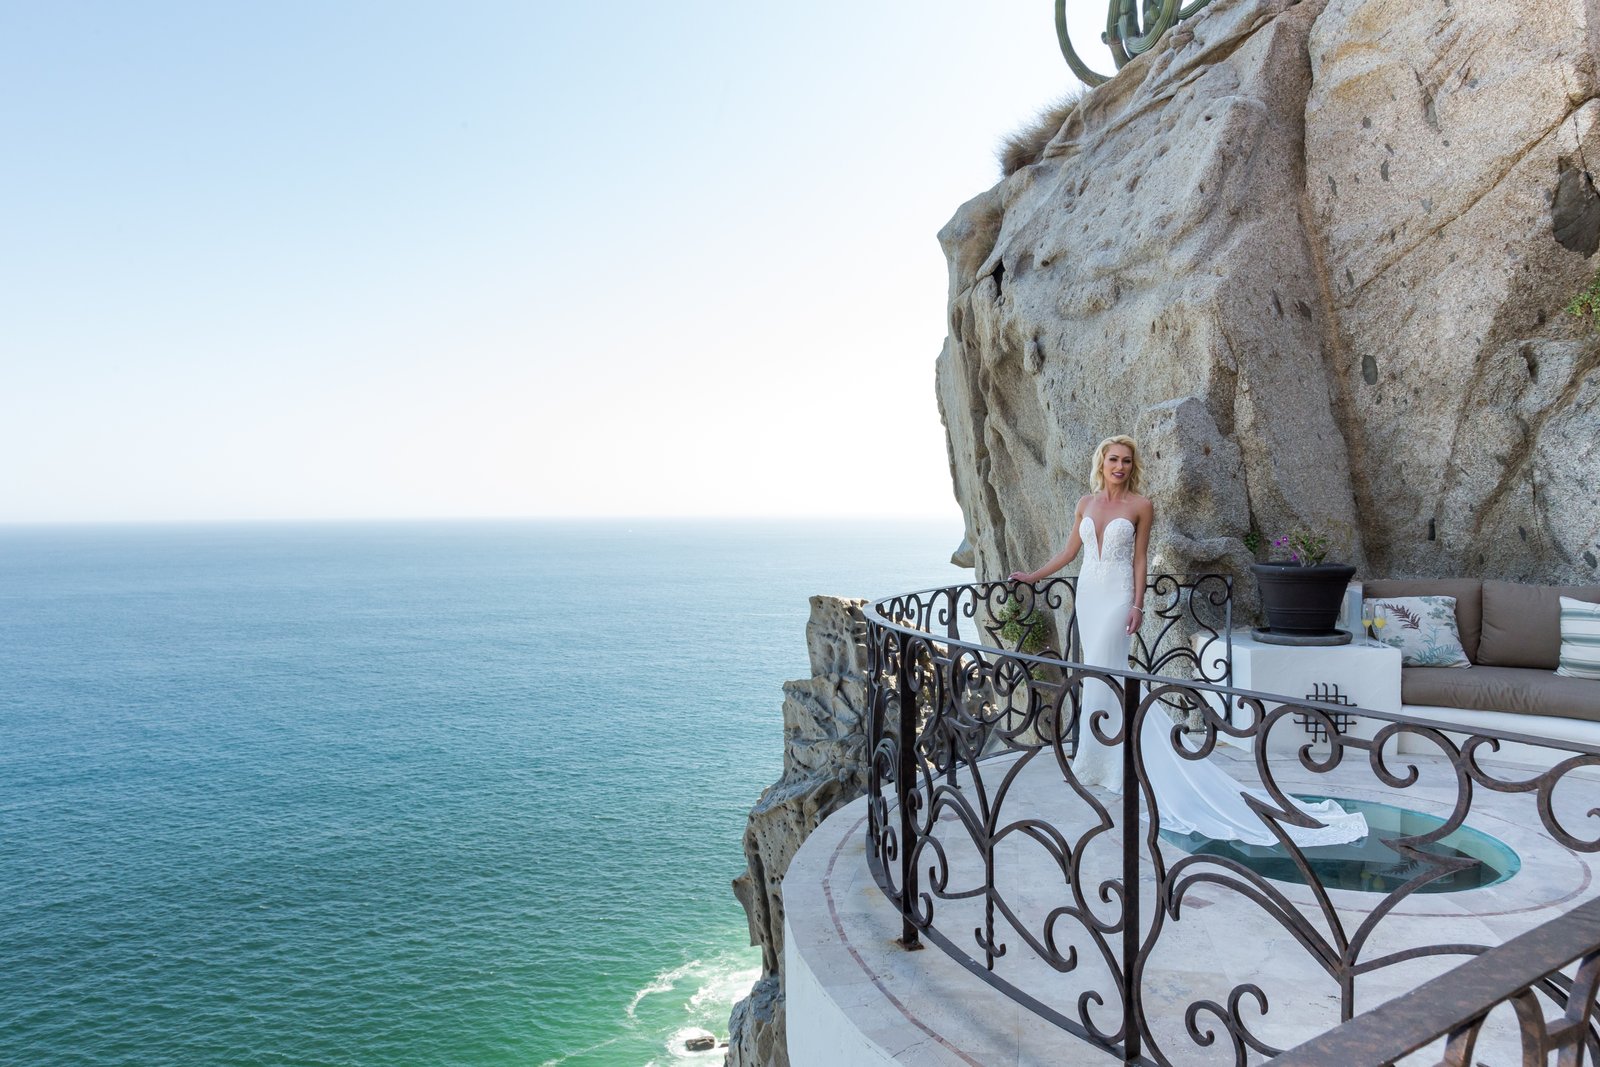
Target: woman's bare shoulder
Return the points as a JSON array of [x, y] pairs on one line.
[[1143, 505], [1083, 503]]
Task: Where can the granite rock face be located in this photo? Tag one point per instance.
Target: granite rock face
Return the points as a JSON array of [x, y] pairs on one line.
[[1447, 168], [1313, 256], [824, 768]]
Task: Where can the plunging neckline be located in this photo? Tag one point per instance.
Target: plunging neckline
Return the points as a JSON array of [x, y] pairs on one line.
[[1099, 535]]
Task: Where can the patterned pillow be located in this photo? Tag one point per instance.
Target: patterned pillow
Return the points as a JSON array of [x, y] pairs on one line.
[[1580, 639], [1423, 628]]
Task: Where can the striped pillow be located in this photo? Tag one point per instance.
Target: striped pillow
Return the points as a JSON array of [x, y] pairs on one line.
[[1580, 639]]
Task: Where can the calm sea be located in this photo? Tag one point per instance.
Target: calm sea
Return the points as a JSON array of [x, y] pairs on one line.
[[395, 794]]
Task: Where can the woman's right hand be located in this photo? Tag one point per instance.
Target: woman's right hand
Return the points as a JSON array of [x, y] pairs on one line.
[[1019, 576]]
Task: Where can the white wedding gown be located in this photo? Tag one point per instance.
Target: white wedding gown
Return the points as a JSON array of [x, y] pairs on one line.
[[1194, 796]]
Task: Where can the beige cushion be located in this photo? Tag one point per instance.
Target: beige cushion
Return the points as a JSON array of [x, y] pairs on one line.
[[1517, 689], [1522, 623], [1467, 591]]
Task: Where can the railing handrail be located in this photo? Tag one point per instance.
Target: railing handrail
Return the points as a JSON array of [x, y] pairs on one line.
[[1454, 1001], [1208, 588]]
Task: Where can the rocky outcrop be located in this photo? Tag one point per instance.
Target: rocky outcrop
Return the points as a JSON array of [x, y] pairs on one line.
[[824, 768], [1448, 179], [1313, 255]]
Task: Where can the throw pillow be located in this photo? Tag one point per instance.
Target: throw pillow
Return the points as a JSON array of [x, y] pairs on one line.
[[1580, 639], [1423, 628]]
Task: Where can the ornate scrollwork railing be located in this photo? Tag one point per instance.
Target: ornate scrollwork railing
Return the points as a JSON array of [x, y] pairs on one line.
[[1132, 28], [1456, 1005], [972, 741], [1188, 632]]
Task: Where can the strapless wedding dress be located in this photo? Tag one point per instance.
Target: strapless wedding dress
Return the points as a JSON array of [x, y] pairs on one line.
[[1194, 796]]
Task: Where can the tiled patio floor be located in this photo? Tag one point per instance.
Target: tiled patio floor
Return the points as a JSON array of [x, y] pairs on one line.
[[925, 1008]]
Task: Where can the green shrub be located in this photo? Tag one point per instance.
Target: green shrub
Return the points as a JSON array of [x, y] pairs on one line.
[[1024, 631], [1585, 304]]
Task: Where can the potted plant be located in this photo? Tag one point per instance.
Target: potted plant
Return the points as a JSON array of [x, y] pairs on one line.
[[1024, 630], [1302, 595]]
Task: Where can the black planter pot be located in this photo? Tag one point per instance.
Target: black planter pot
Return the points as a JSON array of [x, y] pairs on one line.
[[1302, 601]]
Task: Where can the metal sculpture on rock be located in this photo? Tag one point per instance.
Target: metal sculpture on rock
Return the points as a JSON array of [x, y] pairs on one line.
[[1132, 28]]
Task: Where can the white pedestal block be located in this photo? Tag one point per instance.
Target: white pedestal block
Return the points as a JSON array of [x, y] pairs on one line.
[[1357, 674]]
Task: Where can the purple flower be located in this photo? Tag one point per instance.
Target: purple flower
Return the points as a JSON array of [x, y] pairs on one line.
[[1304, 549]]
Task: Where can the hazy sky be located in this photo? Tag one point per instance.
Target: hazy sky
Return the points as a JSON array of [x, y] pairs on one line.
[[330, 260]]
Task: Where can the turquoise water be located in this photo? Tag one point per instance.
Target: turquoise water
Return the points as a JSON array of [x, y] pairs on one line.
[[394, 794], [1373, 864]]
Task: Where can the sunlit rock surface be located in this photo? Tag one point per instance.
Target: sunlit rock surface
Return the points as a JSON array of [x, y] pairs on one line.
[[1314, 256]]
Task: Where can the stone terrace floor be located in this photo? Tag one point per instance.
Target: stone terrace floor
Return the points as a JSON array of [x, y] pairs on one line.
[[924, 1008]]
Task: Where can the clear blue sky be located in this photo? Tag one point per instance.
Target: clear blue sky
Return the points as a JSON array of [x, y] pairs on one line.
[[341, 260]]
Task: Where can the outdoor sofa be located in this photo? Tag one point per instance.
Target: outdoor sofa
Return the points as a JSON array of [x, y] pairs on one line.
[[1511, 632]]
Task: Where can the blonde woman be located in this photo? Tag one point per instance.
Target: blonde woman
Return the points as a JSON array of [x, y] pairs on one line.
[[1113, 522], [1112, 526]]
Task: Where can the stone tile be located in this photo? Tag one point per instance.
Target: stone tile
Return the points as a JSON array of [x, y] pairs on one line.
[[1220, 941]]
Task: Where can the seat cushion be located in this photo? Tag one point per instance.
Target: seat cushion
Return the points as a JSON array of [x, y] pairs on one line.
[[1515, 689], [1522, 623], [1467, 591]]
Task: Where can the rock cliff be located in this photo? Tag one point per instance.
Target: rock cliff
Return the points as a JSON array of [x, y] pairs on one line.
[[824, 768], [1313, 256]]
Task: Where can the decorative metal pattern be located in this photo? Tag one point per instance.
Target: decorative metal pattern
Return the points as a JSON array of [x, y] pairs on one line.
[[1456, 1005], [942, 810], [1132, 28], [1326, 693]]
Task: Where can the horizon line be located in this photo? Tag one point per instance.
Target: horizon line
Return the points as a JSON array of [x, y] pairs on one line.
[[954, 517]]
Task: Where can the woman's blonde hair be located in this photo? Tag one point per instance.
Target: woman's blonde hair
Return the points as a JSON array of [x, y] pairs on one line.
[[1097, 478]]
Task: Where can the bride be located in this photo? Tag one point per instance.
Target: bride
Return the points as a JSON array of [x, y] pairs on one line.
[[1194, 796]]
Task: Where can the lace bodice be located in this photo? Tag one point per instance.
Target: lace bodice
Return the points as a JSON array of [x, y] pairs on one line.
[[1110, 562]]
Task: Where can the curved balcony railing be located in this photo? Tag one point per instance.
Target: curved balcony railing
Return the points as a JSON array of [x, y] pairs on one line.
[[986, 770]]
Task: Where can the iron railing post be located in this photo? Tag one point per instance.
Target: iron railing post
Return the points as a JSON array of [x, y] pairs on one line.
[[1130, 871], [904, 789]]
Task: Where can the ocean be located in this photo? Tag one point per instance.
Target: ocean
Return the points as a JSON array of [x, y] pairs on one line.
[[396, 793]]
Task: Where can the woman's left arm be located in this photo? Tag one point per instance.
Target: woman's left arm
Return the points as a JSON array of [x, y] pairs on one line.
[[1141, 563]]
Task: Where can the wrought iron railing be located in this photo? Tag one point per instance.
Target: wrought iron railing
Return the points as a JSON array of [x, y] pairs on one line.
[[1188, 633], [986, 771], [1455, 1005]]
